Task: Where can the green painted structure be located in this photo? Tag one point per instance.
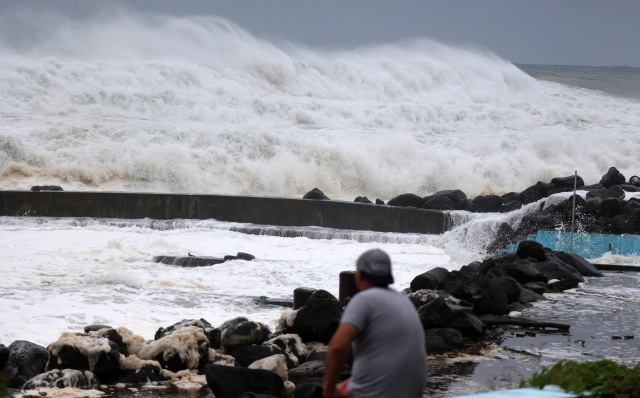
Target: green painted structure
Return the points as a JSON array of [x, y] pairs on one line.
[[242, 209]]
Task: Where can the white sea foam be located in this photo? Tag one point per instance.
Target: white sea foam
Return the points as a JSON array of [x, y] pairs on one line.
[[199, 105]]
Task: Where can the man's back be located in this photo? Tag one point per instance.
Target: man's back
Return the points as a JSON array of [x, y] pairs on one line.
[[390, 358]]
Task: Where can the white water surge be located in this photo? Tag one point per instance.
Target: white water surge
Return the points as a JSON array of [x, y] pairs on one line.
[[199, 105]]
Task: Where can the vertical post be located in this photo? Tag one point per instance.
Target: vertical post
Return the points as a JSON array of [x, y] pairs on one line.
[[573, 211], [348, 287]]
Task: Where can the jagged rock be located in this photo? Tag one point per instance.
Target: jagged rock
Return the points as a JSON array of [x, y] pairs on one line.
[[58, 378], [537, 287], [231, 382], [603, 193], [362, 199], [308, 370], [612, 177], [438, 203], [436, 314], [491, 298], [309, 388], [407, 200], [429, 280], [25, 361], [317, 320], [523, 271], [317, 194], [460, 285], [468, 324], [80, 351], [579, 264], [441, 340], [531, 249], [485, 204], [379, 201], [186, 348], [510, 288], [567, 182]]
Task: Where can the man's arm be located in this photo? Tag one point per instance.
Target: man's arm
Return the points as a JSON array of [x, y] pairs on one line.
[[337, 357]]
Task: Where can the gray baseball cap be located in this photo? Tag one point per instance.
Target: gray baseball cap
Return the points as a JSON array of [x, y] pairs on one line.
[[375, 265]]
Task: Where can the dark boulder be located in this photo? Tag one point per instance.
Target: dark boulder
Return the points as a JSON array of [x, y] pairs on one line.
[[485, 204], [469, 325], [248, 354], [612, 177], [635, 181], [505, 236], [25, 361], [605, 193], [529, 296], [538, 287], [531, 249], [436, 314], [458, 198], [632, 207], [80, 351], [579, 264], [64, 378], [532, 194], [362, 199], [308, 370], [460, 285], [523, 271], [429, 280], [510, 288], [567, 182], [379, 201], [422, 297], [231, 382], [620, 224], [492, 299], [40, 188], [610, 207], [441, 340], [559, 270], [317, 194], [309, 388], [407, 200], [317, 320], [438, 203]]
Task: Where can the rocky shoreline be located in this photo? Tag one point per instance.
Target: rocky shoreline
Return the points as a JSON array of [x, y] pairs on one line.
[[457, 308]]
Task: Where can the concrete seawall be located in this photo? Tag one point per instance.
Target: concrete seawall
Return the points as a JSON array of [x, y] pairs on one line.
[[242, 209]]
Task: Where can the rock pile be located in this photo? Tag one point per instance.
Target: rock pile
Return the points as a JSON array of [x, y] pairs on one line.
[[242, 356], [604, 210]]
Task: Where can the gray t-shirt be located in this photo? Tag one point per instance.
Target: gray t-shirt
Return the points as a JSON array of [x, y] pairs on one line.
[[390, 356]]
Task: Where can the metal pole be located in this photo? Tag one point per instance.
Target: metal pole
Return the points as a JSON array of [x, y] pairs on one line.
[[573, 211]]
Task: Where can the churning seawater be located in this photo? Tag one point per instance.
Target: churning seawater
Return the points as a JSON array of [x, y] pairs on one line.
[[197, 105]]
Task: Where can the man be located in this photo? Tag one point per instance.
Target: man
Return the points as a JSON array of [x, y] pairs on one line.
[[390, 356]]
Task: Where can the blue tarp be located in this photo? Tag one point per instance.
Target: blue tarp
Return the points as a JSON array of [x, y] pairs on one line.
[[588, 245]]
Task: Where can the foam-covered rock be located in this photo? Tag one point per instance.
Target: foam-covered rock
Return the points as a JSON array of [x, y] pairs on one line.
[[212, 333], [291, 344], [84, 352], [247, 354], [185, 348], [63, 378], [241, 333], [274, 363]]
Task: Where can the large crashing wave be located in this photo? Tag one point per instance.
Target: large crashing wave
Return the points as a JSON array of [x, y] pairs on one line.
[[197, 104]]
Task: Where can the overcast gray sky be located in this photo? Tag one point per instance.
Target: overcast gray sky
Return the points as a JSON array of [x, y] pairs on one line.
[[561, 32]]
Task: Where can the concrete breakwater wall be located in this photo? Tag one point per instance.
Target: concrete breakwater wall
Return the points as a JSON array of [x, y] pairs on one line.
[[242, 209]]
